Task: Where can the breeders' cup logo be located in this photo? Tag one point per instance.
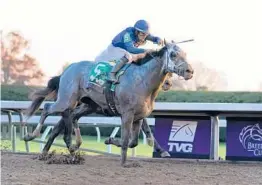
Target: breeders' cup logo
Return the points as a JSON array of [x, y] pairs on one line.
[[182, 136], [251, 139]]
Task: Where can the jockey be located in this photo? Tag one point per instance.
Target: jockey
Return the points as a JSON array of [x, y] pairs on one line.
[[125, 46]]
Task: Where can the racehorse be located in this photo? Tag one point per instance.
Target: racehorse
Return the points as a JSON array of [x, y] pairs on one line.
[[84, 109], [133, 98]]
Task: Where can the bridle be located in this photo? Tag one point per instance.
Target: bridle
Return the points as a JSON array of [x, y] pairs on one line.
[[178, 71]]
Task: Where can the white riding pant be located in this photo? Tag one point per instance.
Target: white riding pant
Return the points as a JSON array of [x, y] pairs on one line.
[[112, 53]]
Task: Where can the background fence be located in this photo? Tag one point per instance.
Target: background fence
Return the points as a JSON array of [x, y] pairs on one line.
[[176, 119]]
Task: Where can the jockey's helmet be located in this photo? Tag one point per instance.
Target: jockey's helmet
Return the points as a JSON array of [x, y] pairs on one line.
[[142, 26]]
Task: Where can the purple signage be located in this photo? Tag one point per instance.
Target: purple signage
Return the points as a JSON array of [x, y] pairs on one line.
[[244, 140], [184, 137]]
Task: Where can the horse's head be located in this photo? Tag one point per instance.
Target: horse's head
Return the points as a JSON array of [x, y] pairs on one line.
[[176, 62]]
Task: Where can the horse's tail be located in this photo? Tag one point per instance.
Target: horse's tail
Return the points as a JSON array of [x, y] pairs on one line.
[[50, 92]]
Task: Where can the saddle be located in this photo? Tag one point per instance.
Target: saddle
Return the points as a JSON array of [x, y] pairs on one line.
[[97, 81]]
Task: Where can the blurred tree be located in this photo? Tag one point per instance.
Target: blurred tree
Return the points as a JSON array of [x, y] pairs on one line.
[[63, 68], [18, 67]]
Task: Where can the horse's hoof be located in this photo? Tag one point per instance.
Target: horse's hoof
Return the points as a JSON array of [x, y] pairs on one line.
[[125, 165], [29, 137], [150, 142], [43, 156], [108, 141], [165, 154], [73, 148], [131, 165]]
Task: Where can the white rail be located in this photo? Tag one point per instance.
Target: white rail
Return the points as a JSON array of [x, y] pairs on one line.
[[188, 109]]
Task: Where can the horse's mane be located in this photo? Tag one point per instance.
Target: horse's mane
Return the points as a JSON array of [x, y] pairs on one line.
[[149, 56]]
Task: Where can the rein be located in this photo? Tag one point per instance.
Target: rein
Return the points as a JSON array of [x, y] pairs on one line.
[[166, 70]]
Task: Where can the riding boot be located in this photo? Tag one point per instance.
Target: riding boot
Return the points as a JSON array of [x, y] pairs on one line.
[[116, 68]]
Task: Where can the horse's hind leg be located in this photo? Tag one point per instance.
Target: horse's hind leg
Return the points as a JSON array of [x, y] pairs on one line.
[[36, 132], [81, 110], [146, 129], [134, 136], [152, 140], [67, 99], [78, 136], [67, 117], [113, 141], [55, 132]]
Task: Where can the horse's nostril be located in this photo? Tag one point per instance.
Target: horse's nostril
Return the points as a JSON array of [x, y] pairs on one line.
[[189, 71]]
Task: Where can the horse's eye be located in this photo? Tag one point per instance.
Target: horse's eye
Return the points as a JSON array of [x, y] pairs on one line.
[[173, 54]]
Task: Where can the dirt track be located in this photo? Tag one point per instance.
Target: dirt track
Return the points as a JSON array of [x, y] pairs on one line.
[[23, 169]]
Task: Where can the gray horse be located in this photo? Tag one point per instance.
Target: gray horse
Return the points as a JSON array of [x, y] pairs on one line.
[[83, 110], [132, 100]]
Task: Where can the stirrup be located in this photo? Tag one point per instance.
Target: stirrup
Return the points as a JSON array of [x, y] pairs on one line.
[[113, 81], [112, 78]]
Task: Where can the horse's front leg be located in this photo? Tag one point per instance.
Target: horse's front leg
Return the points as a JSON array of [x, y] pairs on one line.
[[127, 121], [151, 140], [135, 133]]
